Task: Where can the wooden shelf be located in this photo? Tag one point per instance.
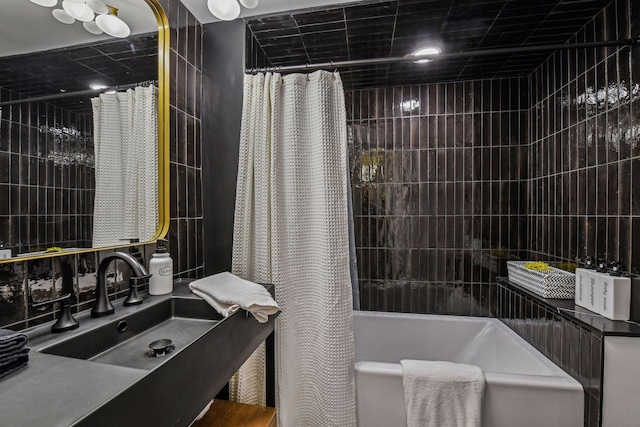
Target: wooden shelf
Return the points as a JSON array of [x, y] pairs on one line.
[[232, 414]]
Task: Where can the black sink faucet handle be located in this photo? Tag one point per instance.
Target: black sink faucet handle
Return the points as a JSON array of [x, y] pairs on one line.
[[65, 321], [134, 298]]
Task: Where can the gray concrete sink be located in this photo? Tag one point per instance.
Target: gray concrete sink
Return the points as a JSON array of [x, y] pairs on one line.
[[100, 375], [126, 341]]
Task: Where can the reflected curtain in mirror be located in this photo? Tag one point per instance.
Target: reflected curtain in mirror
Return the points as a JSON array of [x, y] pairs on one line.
[[125, 140]]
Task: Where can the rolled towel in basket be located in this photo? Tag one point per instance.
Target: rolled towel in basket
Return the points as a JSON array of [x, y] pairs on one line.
[[227, 292]]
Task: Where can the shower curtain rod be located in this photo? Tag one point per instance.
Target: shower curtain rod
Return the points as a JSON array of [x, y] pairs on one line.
[[461, 54], [76, 94]]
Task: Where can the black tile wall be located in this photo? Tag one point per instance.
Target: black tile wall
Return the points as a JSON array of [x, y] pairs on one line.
[[20, 282], [24, 283], [186, 227], [584, 162], [439, 189], [574, 347], [223, 72], [47, 176], [255, 54]]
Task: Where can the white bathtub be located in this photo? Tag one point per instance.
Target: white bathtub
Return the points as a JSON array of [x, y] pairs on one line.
[[523, 387]]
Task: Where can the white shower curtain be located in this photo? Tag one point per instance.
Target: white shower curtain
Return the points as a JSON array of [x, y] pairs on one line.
[[125, 135], [291, 229]]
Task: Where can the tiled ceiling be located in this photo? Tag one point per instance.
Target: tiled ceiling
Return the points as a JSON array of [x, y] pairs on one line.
[[116, 62], [396, 28]]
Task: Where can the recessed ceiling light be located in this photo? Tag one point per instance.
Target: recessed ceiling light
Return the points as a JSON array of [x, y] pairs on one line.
[[429, 50], [98, 86]]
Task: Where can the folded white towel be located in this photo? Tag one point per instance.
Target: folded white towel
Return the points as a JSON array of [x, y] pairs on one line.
[[227, 292], [442, 394]]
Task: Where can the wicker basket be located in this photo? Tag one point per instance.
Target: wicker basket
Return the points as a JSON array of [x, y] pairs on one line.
[[556, 283]]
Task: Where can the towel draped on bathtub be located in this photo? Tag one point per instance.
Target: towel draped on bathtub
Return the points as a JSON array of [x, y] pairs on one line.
[[442, 394]]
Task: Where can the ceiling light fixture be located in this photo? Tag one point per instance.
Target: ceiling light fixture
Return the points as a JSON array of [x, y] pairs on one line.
[[112, 25], [98, 7], [106, 17], [45, 3], [79, 11], [63, 16], [92, 27], [429, 50], [228, 10], [249, 4]]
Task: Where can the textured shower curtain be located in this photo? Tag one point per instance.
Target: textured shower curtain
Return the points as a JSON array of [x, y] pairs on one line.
[[291, 229], [125, 136]]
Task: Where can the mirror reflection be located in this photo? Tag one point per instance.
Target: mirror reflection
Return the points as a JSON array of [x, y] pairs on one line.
[[78, 129]]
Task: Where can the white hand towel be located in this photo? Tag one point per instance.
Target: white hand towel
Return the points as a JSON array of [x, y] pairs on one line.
[[442, 394], [227, 292]]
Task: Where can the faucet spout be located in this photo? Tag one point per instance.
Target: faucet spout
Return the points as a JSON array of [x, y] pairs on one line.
[[103, 306]]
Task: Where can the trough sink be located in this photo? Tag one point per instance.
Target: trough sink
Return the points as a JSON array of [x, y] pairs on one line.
[[126, 341], [168, 391]]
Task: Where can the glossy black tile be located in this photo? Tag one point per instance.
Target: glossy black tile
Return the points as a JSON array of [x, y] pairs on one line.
[[34, 133]]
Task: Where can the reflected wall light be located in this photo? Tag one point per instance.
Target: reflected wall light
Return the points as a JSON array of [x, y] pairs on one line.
[[228, 10]]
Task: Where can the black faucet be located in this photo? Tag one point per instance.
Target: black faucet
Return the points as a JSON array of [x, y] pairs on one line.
[[103, 306]]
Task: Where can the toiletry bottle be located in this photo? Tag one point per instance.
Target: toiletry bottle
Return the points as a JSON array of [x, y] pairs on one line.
[[161, 270], [616, 294], [4, 253], [596, 282], [585, 285]]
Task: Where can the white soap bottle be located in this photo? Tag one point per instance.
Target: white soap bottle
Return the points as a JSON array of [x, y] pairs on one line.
[[161, 270], [4, 253], [616, 294], [596, 283], [585, 286]]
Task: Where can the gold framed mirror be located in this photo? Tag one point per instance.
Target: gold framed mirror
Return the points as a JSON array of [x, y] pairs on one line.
[[25, 186]]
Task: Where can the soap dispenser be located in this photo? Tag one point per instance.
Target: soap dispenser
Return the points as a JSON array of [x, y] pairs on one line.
[[161, 270], [586, 292], [616, 294], [4, 253]]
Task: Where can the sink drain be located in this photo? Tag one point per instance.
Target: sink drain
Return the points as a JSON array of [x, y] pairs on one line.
[[161, 348]]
